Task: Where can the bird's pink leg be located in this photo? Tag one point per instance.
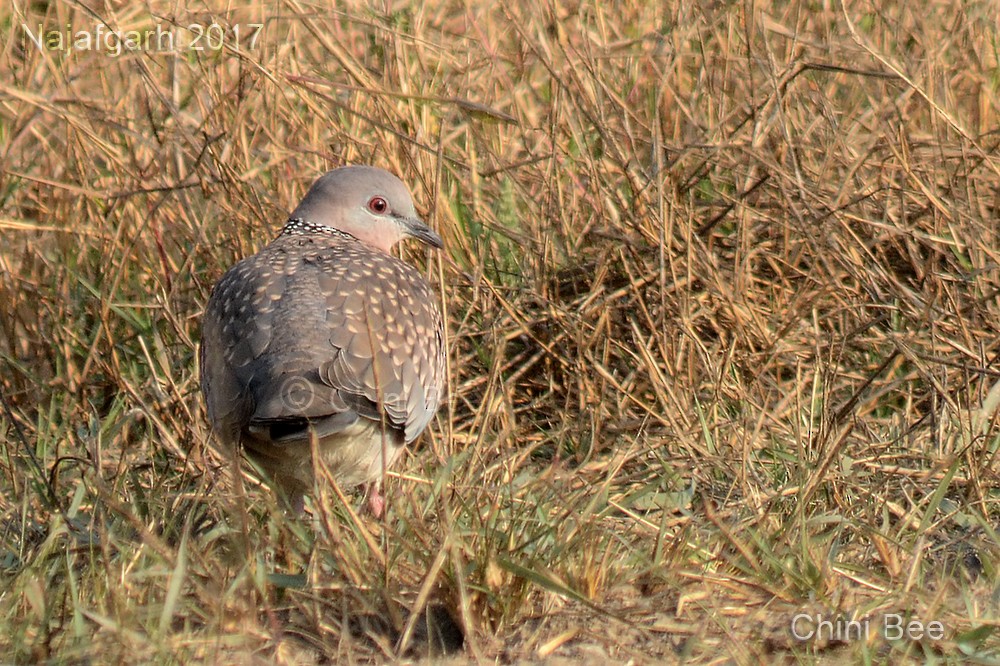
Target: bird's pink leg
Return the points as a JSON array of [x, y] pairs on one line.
[[376, 502]]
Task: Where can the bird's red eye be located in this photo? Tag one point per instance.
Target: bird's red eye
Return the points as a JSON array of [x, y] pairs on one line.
[[378, 205]]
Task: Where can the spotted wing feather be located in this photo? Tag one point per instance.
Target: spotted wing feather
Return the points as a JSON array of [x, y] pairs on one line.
[[321, 331]]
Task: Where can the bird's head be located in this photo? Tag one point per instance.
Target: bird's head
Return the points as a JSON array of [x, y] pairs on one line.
[[368, 203]]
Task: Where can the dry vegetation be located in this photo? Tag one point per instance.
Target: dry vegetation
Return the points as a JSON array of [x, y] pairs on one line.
[[722, 294]]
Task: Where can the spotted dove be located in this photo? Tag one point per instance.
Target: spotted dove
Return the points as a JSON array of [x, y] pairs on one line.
[[324, 341]]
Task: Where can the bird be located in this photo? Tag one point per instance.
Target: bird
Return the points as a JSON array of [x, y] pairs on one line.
[[325, 343]]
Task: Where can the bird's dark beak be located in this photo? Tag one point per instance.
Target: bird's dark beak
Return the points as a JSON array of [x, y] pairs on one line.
[[415, 228]]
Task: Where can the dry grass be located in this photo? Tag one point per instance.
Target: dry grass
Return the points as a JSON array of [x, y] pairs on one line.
[[721, 287]]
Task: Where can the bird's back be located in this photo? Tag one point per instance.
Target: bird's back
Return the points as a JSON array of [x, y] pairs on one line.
[[320, 330]]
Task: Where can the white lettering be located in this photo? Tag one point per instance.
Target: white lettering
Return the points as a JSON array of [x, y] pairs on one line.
[[892, 627], [795, 628], [36, 40], [935, 630]]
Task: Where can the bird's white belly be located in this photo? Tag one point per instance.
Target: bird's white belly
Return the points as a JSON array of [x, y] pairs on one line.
[[356, 455]]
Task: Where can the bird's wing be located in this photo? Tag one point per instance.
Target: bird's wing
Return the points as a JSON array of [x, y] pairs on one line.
[[255, 358], [385, 333], [235, 331]]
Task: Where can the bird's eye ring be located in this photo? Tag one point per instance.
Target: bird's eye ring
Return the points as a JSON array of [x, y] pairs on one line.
[[378, 205]]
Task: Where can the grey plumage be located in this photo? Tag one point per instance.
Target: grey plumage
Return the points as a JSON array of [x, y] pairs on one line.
[[323, 334]]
